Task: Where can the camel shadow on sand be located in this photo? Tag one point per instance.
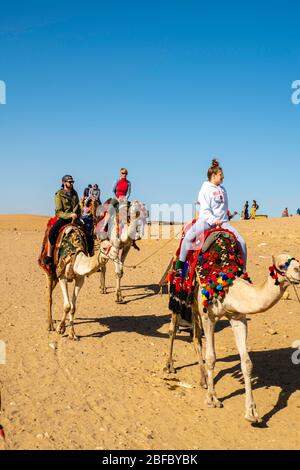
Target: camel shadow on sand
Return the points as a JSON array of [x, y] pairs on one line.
[[146, 325], [271, 368], [147, 290]]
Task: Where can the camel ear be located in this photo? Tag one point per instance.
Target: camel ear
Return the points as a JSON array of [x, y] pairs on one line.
[[273, 259]]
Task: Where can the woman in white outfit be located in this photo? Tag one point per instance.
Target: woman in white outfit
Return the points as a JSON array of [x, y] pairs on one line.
[[213, 213]]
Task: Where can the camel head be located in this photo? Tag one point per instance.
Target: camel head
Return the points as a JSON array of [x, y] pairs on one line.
[[138, 213], [288, 268], [135, 210]]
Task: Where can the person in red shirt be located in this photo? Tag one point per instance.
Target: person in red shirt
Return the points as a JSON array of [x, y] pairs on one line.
[[122, 187], [121, 190]]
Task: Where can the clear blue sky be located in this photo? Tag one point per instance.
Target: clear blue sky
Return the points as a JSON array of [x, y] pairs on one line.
[[160, 87]]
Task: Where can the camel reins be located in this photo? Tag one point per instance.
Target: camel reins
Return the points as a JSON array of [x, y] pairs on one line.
[[150, 256]]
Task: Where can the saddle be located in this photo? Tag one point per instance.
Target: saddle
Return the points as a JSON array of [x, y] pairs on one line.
[[71, 240], [213, 265]]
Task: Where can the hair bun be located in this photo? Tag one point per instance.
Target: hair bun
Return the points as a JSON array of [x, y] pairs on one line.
[[214, 163]]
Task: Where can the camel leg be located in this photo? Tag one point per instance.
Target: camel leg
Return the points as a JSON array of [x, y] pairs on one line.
[[78, 285], [51, 285], [119, 275], [119, 297], [240, 332], [198, 348], [103, 289], [210, 361], [119, 271], [172, 332], [61, 328]]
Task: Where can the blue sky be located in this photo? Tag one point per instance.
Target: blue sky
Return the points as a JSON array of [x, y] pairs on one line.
[[160, 87]]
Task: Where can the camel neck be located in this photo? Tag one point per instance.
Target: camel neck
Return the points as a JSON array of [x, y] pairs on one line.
[[248, 299], [85, 265], [268, 294], [130, 231]]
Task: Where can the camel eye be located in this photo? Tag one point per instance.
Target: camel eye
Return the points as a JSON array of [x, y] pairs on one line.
[[282, 267]]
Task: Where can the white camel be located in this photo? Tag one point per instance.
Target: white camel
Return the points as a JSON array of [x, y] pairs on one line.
[[242, 299], [76, 270], [130, 232]]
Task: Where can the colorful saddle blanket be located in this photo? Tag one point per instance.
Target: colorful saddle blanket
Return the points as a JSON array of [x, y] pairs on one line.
[[71, 240], [214, 264]]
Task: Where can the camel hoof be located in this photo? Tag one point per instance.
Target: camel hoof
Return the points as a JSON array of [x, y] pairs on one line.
[[51, 327], [73, 337], [210, 404], [103, 290], [214, 403], [203, 385], [253, 417], [61, 328], [219, 404], [170, 369]]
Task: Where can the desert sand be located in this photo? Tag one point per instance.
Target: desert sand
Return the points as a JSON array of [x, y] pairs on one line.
[[108, 390]]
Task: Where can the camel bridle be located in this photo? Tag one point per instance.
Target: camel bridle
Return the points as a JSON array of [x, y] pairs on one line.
[[105, 253], [291, 281]]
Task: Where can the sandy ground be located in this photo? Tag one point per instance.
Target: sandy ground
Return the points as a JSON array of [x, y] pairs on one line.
[[109, 391]]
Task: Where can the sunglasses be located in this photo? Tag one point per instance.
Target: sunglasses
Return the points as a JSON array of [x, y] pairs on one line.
[[124, 173], [72, 182]]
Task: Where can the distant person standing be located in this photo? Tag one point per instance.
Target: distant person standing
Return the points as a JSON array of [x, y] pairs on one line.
[[285, 213], [254, 208], [122, 187], [246, 211], [298, 211]]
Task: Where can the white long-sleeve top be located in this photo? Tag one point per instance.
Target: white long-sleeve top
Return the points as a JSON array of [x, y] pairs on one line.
[[213, 202]]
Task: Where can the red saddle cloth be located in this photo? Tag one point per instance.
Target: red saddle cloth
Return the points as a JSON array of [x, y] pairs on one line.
[[215, 262], [46, 267]]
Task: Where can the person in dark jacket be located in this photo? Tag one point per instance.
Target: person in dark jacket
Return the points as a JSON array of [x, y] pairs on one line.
[[67, 210], [86, 191]]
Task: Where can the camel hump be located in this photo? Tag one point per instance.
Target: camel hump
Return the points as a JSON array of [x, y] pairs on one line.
[[71, 239], [214, 235]]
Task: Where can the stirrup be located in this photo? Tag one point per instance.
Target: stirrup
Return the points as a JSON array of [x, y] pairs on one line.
[[179, 268], [178, 273], [48, 260]]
